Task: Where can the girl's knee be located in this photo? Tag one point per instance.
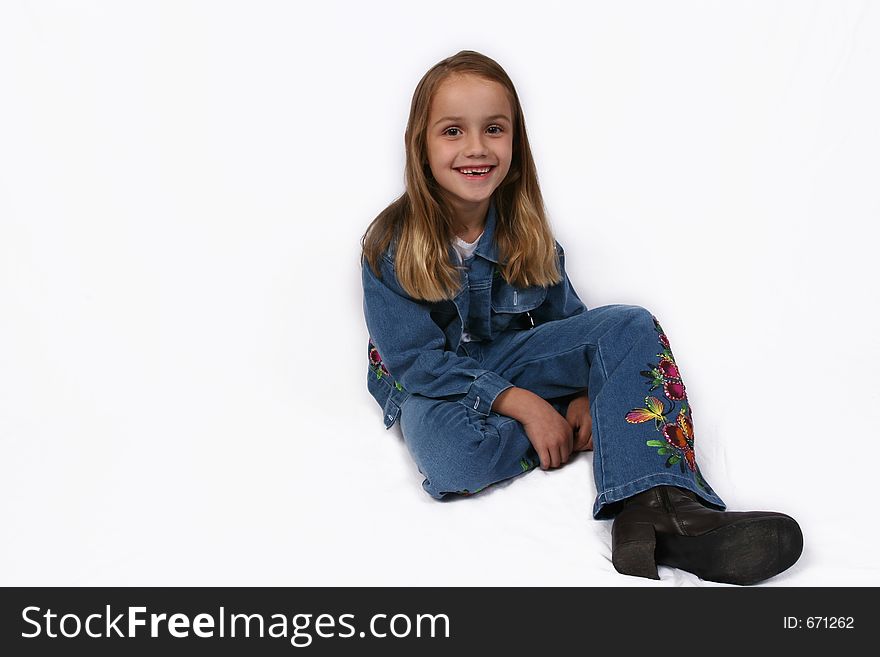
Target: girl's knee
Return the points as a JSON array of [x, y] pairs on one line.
[[475, 460], [457, 470], [442, 482], [637, 315], [635, 321]]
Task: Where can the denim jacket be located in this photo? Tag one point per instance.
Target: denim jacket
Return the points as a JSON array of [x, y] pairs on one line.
[[413, 345]]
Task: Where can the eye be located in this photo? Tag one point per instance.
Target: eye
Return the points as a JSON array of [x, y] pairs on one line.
[[446, 132], [497, 127]]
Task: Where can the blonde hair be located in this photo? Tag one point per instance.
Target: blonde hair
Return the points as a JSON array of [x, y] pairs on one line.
[[421, 219]]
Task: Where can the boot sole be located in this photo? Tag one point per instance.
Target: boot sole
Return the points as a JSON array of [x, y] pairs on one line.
[[742, 553]]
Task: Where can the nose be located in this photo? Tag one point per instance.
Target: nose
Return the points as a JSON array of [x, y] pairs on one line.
[[475, 146]]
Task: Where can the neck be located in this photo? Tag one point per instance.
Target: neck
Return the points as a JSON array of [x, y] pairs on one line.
[[470, 219]]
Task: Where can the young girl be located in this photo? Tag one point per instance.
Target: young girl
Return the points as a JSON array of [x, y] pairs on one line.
[[483, 350]]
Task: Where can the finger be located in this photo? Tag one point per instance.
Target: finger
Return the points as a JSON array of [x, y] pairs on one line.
[[569, 446], [544, 455], [585, 437], [588, 438]]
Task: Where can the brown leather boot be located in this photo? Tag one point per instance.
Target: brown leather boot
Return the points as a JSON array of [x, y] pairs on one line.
[[669, 526]]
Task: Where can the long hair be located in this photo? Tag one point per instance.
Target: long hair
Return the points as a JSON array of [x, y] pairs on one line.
[[421, 220]]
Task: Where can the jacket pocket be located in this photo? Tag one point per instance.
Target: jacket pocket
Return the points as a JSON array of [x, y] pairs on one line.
[[511, 306], [509, 299]]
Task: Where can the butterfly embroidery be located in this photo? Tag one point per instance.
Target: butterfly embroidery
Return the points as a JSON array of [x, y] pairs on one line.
[[654, 410], [680, 434]]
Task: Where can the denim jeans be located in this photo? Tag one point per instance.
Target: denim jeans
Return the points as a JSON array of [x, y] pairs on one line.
[[642, 423]]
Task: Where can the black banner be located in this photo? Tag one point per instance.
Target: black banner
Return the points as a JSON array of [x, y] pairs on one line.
[[325, 621]]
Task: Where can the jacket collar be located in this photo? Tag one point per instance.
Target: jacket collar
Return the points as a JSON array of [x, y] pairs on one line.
[[486, 246]]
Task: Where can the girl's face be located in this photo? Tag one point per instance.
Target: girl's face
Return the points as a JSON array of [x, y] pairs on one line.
[[470, 128]]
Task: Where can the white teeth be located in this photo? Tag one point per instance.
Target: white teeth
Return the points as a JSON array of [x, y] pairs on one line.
[[483, 170]]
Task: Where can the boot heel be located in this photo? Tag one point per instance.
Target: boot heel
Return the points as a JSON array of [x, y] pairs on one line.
[[632, 549]]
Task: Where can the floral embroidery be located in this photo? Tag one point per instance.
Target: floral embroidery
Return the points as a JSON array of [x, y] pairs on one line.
[[666, 372], [378, 366], [678, 435]]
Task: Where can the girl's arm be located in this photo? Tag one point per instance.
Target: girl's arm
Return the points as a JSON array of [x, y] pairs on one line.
[[562, 301], [412, 346]]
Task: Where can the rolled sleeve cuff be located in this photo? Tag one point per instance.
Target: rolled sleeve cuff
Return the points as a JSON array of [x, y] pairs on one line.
[[483, 392]]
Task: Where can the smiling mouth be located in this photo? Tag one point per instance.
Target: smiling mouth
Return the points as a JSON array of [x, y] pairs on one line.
[[475, 172]]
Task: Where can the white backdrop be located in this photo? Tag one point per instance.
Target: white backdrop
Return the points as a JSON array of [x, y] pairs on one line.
[[183, 188]]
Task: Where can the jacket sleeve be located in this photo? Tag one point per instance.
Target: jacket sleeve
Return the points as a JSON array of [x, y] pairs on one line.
[[562, 301], [412, 346]]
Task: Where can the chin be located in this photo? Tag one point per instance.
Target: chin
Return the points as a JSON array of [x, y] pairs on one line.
[[475, 198]]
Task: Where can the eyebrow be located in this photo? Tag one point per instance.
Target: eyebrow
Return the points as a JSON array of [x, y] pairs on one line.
[[494, 117]]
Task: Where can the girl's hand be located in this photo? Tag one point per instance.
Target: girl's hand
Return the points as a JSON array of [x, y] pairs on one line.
[[550, 435], [549, 432], [581, 423]]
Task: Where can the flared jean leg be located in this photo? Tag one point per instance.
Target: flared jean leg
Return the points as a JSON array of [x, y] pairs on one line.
[[458, 450], [643, 433]]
